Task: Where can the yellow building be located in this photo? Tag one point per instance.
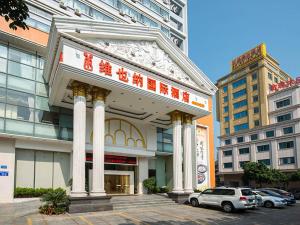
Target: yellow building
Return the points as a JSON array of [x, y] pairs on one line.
[[242, 96]]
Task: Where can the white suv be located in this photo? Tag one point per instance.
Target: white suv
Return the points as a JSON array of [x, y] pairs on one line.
[[227, 198]]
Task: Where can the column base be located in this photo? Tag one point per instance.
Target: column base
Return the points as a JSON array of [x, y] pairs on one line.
[[97, 193], [188, 191], [78, 194], [181, 198]]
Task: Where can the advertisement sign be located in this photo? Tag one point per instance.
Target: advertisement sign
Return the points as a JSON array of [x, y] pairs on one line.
[[202, 158], [87, 61], [285, 84], [114, 159]]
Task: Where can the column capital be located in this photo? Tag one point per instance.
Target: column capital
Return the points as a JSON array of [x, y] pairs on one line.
[[176, 116], [99, 93], [187, 118], [79, 88]]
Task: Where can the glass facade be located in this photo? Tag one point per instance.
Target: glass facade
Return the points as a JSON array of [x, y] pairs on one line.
[[240, 104], [239, 83], [239, 93], [165, 140], [24, 107], [240, 115], [241, 127]]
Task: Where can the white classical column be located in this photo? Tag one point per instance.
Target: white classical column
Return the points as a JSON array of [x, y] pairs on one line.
[[142, 174], [79, 124], [177, 153], [98, 141], [187, 153]]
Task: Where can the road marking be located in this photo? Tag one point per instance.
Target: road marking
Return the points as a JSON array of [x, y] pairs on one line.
[[133, 219], [29, 221], [85, 220], [181, 217]]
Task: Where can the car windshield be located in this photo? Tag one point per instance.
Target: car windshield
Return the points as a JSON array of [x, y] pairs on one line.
[[261, 193], [273, 193], [279, 191], [246, 192]]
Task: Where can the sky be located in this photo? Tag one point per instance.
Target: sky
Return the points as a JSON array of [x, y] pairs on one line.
[[220, 30]]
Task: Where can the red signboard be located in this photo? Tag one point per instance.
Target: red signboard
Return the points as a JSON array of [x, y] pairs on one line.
[[114, 159], [285, 84]]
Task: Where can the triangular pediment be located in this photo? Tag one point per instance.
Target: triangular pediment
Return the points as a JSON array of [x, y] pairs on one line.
[[147, 54], [143, 46]]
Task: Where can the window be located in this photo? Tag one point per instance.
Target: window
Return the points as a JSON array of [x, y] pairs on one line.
[[227, 153], [276, 79], [256, 123], [21, 70], [244, 151], [287, 144], [225, 109], [225, 99], [267, 162], [254, 87], [240, 104], [254, 76], [240, 115], [21, 84], [226, 118], [19, 113], [283, 103], [285, 117], [208, 192], [270, 133], [228, 142], [255, 98], [227, 130], [270, 76], [239, 93], [227, 165], [225, 89], [239, 83], [286, 160], [255, 110], [242, 163], [253, 137], [239, 127], [240, 139], [20, 98], [288, 130], [263, 148]]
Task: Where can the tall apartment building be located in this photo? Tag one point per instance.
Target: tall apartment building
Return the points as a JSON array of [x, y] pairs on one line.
[[102, 91], [257, 123]]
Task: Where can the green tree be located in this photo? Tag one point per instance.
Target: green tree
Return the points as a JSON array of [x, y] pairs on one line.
[[257, 172], [279, 178], [295, 176], [15, 11]]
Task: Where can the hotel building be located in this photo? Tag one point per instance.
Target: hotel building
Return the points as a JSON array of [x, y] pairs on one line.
[[259, 114], [103, 94]]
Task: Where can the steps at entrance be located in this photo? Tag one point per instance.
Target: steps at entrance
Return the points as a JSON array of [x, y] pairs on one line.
[[140, 201]]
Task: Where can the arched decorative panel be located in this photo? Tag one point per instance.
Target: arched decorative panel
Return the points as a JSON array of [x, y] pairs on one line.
[[121, 132]]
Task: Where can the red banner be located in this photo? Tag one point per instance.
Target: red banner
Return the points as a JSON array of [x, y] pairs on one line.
[[114, 159]]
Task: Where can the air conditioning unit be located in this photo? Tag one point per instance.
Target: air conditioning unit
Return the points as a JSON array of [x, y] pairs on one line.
[[121, 12], [77, 12], [62, 4], [133, 19], [166, 19], [134, 1], [166, 2]]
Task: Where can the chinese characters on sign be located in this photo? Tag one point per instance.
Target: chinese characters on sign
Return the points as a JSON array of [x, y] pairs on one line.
[[248, 57], [285, 84], [107, 68]]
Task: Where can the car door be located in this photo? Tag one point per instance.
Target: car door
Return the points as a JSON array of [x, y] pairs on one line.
[[205, 197]]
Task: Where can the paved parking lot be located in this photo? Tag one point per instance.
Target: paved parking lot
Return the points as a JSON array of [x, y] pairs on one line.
[[179, 214]]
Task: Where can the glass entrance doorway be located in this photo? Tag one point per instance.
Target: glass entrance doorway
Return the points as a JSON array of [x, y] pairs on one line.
[[117, 184]]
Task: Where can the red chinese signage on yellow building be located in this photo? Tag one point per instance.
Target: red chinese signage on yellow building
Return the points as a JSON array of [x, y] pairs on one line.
[[285, 84], [249, 57]]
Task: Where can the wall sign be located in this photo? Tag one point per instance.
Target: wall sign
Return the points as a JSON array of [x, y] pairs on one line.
[[114, 159], [3, 166], [88, 62], [249, 57], [202, 158], [3, 173], [285, 84]]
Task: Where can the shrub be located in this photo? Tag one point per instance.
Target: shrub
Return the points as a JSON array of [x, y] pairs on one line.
[[30, 192], [150, 185], [197, 191], [55, 202]]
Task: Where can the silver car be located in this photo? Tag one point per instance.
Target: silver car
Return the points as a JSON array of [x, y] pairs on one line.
[[269, 201]]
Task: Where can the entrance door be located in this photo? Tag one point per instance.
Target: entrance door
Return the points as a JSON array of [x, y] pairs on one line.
[[117, 184]]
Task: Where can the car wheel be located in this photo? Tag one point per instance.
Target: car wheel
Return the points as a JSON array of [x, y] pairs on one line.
[[194, 202], [269, 204], [227, 207]]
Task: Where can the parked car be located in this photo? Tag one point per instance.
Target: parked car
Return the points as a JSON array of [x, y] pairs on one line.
[[270, 201], [285, 195], [228, 198], [295, 192]]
